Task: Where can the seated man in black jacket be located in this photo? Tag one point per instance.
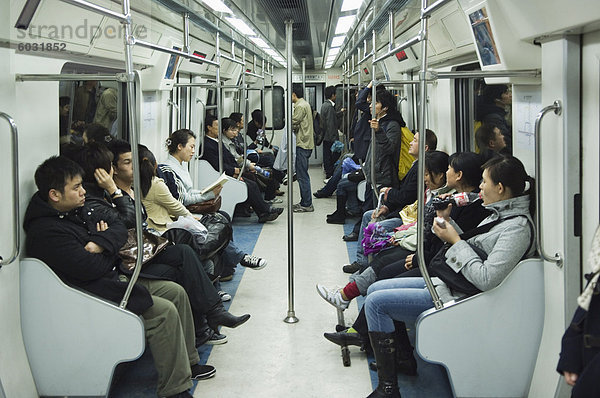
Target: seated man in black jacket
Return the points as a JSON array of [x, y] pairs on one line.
[[211, 155], [177, 263], [82, 246]]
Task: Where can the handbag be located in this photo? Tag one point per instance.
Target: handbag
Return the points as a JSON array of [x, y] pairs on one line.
[[456, 280], [153, 244], [208, 206]]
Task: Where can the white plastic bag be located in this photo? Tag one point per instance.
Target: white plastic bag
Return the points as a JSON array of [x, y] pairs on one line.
[[191, 225]]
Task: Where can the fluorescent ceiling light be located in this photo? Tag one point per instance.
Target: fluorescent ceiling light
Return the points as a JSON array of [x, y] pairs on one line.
[[337, 41], [218, 6], [349, 5], [344, 24], [271, 52], [241, 26], [333, 51], [260, 42]]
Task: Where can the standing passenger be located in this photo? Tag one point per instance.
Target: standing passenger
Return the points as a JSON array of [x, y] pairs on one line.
[[329, 121], [302, 123]]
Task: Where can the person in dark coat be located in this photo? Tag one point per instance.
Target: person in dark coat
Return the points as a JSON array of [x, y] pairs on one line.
[[81, 246], [177, 263], [493, 108], [579, 359], [329, 122]]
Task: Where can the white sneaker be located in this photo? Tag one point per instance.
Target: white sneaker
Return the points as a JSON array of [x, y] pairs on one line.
[[224, 295], [253, 262], [298, 208], [333, 297], [325, 181]]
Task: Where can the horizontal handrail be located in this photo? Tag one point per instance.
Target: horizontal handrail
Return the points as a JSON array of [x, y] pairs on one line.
[[65, 77], [86, 5], [15, 188], [426, 12], [254, 74], [407, 44], [485, 73], [172, 51], [365, 58], [557, 108], [208, 85], [237, 61]]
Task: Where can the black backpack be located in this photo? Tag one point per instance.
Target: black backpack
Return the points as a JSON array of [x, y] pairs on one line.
[[318, 131]]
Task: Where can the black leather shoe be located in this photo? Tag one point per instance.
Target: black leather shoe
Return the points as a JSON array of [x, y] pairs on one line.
[[351, 237], [271, 216], [338, 218], [351, 268], [344, 338], [320, 194], [221, 317]]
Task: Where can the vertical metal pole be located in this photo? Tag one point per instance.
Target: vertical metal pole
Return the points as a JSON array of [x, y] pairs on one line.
[[391, 28], [186, 33], [291, 315], [244, 101], [373, 116], [347, 93], [272, 92], [304, 77], [262, 100], [219, 105], [421, 166], [131, 107]]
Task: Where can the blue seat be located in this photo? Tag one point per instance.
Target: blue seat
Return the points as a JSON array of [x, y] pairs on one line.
[[489, 342]]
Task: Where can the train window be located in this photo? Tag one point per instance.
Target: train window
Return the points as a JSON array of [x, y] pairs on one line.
[[91, 104], [277, 108]]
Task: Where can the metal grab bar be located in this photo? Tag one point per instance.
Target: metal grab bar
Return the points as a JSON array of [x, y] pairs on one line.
[[291, 313], [17, 228], [557, 108], [245, 98], [407, 44], [421, 166], [373, 116], [86, 5], [131, 107], [172, 51]]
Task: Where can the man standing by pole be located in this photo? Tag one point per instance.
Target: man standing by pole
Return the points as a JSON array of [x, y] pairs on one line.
[[329, 121], [302, 124]]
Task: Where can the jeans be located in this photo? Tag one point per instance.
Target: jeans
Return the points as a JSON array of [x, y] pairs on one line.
[[388, 225], [347, 188], [302, 156], [400, 299], [331, 185]]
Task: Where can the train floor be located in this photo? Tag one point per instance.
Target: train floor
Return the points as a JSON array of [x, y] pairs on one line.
[[267, 357]]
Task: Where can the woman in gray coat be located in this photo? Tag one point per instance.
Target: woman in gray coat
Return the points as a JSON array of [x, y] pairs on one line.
[[508, 241]]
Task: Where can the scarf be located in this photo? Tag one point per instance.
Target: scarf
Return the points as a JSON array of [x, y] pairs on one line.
[[594, 263]]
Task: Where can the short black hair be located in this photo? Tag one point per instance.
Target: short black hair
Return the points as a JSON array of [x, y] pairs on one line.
[[227, 123], [470, 165], [97, 133], [118, 147], [177, 137], [430, 140], [92, 156], [484, 134], [236, 117], [329, 92], [54, 173], [257, 116], [387, 100], [493, 92], [436, 162], [208, 121], [298, 90]]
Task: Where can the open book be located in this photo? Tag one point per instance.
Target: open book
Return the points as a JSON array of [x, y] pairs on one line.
[[219, 181]]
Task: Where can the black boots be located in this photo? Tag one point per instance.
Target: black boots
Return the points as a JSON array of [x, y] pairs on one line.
[[339, 216], [384, 348], [406, 363], [405, 359], [219, 316]]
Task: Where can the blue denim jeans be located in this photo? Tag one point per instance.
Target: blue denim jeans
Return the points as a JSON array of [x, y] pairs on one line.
[[331, 185], [400, 299], [302, 156], [388, 225]]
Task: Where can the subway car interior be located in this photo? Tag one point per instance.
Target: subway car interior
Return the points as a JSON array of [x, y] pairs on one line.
[[284, 137]]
